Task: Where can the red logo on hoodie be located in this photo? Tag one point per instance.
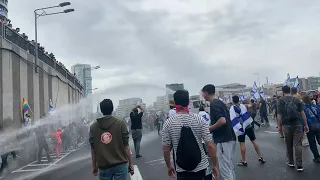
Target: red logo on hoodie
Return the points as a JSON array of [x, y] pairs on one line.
[[106, 138]]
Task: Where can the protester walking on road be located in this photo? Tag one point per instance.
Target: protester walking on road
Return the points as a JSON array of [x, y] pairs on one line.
[[109, 141], [252, 109], [184, 132], [42, 144], [294, 92], [289, 111], [242, 121], [58, 144], [4, 161], [263, 111], [222, 132], [313, 117], [136, 128]]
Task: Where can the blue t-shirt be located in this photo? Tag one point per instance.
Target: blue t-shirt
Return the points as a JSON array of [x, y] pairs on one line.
[[312, 112]]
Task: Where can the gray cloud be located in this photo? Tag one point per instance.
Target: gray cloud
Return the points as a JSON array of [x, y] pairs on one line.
[[135, 42]]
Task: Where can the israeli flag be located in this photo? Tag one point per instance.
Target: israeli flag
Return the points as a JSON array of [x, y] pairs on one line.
[[296, 82], [262, 93], [286, 83], [50, 105], [255, 91], [240, 119]]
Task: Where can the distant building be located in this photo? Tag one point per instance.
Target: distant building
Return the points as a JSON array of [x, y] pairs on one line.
[[3, 10], [126, 106], [232, 86], [83, 74], [171, 88], [314, 83], [227, 91], [162, 103]]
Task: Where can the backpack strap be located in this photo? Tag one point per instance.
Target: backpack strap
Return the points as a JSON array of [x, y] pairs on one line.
[[174, 159]]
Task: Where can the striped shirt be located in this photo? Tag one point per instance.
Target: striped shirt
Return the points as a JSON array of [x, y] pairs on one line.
[[171, 134]]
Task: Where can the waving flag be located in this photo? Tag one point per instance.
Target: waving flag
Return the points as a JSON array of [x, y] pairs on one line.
[[50, 105], [25, 106], [240, 119], [286, 83], [296, 82], [255, 91], [262, 93]]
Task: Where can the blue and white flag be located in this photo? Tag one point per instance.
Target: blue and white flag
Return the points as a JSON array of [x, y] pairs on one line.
[[50, 105], [262, 93], [255, 91], [240, 119], [287, 82], [296, 83]]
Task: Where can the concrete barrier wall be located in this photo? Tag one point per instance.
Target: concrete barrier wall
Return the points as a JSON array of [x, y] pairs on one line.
[[19, 80]]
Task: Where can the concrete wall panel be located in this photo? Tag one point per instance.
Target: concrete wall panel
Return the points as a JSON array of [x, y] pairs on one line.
[[36, 109], [55, 90], [7, 85], [41, 90], [45, 89], [1, 94], [17, 100], [24, 82], [30, 85]]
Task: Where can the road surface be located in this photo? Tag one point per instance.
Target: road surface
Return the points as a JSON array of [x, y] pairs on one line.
[[77, 165]]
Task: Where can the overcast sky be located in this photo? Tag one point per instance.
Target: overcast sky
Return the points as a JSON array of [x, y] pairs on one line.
[[194, 42]]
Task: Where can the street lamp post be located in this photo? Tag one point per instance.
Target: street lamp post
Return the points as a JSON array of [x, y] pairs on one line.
[[44, 13]]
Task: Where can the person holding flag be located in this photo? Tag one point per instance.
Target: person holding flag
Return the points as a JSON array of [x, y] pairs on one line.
[[25, 112], [241, 122]]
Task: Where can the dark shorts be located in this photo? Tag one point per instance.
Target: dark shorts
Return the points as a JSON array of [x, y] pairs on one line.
[[250, 133]]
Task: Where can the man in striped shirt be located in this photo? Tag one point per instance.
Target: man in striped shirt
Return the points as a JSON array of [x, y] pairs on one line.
[[171, 135]]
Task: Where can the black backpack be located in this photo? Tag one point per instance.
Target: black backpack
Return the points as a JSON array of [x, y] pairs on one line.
[[291, 109], [188, 150]]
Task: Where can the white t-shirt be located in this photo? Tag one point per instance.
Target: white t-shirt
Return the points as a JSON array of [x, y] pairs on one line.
[[172, 112]]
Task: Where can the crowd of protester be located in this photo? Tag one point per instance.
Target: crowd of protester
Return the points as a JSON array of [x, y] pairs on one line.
[[48, 138]]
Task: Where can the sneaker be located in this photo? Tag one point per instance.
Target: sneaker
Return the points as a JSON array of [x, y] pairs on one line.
[[299, 168], [138, 156], [242, 163], [261, 160], [290, 164]]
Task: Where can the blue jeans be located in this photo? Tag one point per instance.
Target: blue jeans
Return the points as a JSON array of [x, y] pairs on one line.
[[118, 172]]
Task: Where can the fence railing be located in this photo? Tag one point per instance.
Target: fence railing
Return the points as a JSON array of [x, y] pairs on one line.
[[15, 38]]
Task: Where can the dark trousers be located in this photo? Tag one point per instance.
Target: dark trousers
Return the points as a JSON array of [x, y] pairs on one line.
[[314, 137], [4, 159], [4, 163], [293, 139], [264, 116], [253, 115], [200, 175], [43, 145]]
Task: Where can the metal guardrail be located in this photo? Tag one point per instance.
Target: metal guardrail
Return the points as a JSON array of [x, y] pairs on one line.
[[15, 38]]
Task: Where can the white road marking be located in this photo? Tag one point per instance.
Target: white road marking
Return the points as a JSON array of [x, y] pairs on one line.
[[272, 132], [137, 174], [34, 165], [42, 166], [59, 160], [161, 159]]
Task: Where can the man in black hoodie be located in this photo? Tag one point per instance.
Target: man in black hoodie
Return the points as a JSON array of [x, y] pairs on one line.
[[136, 128], [109, 140]]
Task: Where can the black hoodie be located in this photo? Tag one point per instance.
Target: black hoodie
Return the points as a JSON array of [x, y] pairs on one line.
[[108, 138]]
